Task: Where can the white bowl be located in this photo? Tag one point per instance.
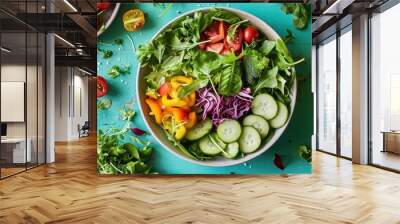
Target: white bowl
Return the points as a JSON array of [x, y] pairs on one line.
[[109, 16], [159, 134]]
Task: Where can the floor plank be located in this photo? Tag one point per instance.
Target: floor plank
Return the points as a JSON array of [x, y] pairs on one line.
[[70, 191]]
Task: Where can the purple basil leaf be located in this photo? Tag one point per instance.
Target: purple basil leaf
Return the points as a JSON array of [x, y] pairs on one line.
[[278, 162], [138, 131]]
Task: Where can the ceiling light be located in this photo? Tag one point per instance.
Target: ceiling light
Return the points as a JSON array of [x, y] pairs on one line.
[[84, 71], [5, 50], [70, 5], [64, 40], [327, 11]]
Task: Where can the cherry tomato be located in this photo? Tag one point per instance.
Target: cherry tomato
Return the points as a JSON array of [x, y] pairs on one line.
[[217, 48], [250, 33], [164, 89], [212, 30], [236, 43], [103, 6], [102, 86], [133, 20]]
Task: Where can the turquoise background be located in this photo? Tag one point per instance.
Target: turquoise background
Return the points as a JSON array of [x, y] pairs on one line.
[[122, 89]]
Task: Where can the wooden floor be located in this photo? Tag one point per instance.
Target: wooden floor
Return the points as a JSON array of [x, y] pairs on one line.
[[70, 191]]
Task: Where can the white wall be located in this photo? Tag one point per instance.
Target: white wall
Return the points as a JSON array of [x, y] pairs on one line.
[[71, 102]]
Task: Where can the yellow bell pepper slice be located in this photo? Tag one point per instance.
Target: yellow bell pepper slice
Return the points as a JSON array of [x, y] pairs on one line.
[[155, 109], [173, 102], [180, 132], [173, 93], [180, 80]]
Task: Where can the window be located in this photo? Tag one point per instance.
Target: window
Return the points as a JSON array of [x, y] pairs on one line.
[[326, 94], [346, 92], [385, 89]]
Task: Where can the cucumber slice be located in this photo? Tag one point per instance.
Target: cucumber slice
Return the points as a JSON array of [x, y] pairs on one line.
[[217, 141], [250, 140], [282, 116], [258, 123], [199, 130], [231, 151], [208, 147], [265, 106], [229, 130]]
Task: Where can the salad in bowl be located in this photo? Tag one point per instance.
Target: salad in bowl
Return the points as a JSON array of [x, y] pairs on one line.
[[216, 86]]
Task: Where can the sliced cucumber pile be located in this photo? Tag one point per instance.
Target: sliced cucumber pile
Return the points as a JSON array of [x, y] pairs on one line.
[[231, 151], [258, 123], [265, 106], [217, 141], [229, 131], [199, 130], [280, 119], [249, 140], [232, 138], [208, 147]]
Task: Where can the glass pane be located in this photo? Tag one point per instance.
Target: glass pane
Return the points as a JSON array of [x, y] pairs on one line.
[[41, 99], [346, 94], [31, 99], [327, 96], [13, 87], [385, 84]]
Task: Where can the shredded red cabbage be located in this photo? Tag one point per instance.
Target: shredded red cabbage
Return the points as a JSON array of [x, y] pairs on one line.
[[219, 108]]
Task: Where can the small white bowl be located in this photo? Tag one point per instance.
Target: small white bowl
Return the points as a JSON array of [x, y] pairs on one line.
[[159, 134], [110, 17]]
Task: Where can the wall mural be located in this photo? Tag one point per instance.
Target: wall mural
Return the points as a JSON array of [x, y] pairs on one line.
[[204, 88]]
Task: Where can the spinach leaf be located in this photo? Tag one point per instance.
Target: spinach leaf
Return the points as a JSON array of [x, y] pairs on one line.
[[106, 53], [117, 157], [155, 79], [230, 80], [254, 64], [195, 85], [283, 63], [299, 11], [283, 50], [116, 71], [283, 58], [267, 47], [305, 153], [103, 104], [207, 62], [223, 15], [172, 64], [289, 37], [267, 81], [118, 42], [281, 84]]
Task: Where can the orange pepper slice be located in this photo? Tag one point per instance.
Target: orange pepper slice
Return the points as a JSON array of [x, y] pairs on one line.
[[191, 99], [192, 120], [180, 114], [155, 109]]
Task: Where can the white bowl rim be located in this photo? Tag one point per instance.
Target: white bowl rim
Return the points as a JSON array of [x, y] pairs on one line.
[[224, 162], [111, 19]]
